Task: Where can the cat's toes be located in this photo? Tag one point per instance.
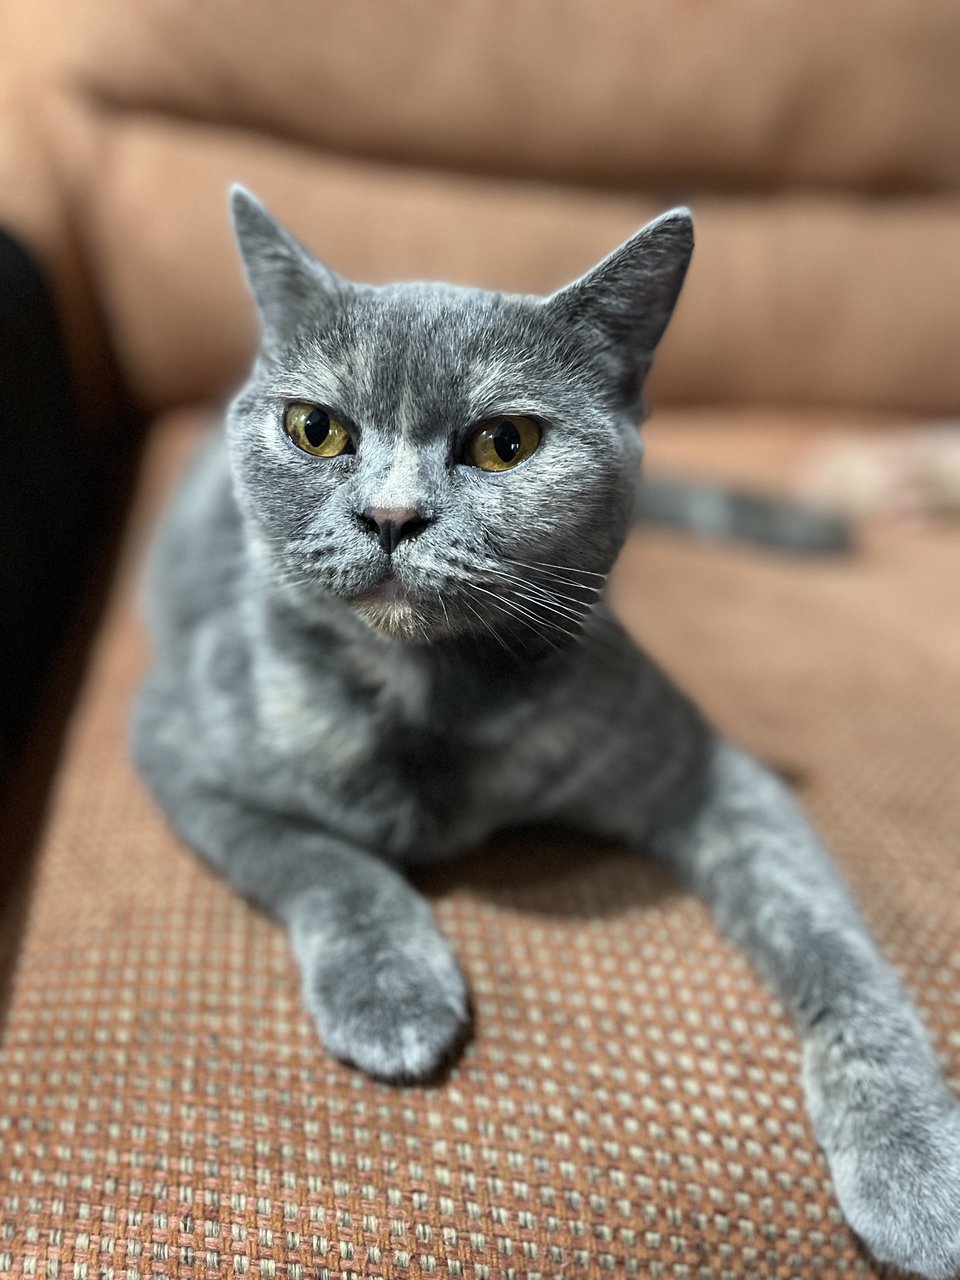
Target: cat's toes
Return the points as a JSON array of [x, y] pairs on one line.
[[900, 1191], [395, 1015]]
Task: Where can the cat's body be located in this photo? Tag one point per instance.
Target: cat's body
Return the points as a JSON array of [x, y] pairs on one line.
[[417, 751], [377, 655]]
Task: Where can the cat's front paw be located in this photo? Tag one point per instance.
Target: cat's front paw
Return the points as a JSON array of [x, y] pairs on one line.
[[398, 1012], [898, 1183]]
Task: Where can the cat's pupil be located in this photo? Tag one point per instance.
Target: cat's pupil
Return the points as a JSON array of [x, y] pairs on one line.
[[506, 441], [316, 426]]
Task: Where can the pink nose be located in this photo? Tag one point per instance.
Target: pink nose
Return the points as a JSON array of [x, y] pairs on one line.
[[393, 524]]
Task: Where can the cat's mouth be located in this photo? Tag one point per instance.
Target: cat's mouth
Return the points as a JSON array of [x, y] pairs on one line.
[[390, 590], [389, 609]]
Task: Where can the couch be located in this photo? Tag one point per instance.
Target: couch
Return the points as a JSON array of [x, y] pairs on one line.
[[629, 1103]]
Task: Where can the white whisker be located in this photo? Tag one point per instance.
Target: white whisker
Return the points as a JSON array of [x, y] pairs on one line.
[[561, 602], [520, 611], [579, 612], [564, 568], [496, 635]]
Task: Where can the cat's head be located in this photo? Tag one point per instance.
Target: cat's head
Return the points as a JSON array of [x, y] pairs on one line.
[[447, 461]]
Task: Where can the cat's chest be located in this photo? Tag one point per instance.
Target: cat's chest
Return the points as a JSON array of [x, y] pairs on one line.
[[416, 771]]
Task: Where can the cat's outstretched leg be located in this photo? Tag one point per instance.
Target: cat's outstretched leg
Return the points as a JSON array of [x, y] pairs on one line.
[[886, 1120], [379, 978]]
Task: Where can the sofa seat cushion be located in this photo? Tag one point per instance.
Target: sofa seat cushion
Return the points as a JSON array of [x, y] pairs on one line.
[[630, 1102]]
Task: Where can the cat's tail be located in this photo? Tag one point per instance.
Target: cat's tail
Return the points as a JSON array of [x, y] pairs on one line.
[[716, 512]]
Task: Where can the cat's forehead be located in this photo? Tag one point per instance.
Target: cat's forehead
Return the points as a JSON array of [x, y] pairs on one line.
[[419, 357]]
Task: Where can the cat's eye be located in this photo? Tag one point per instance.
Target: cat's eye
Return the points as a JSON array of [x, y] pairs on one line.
[[502, 443], [315, 430]]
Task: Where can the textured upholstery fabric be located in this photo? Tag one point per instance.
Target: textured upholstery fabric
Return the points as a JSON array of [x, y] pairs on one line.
[[630, 1103]]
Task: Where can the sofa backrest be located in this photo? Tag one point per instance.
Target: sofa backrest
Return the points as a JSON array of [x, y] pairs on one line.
[[506, 144]]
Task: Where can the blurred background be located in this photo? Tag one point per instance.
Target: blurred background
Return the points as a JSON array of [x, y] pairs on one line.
[[491, 143]]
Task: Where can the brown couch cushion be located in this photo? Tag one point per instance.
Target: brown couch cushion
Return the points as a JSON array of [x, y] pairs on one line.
[[630, 1103], [737, 94], [120, 127]]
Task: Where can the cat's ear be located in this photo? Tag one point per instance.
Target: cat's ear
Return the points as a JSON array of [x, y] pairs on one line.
[[288, 283], [623, 305]]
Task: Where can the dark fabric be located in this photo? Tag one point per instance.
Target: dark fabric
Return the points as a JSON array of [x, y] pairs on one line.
[[49, 490]]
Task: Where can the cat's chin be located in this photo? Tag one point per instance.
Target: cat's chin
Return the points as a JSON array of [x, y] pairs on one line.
[[399, 621], [390, 611]]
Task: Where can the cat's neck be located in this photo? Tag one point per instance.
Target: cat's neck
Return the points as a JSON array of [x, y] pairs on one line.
[[324, 630]]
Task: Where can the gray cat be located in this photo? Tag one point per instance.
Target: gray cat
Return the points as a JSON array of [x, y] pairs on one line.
[[379, 635]]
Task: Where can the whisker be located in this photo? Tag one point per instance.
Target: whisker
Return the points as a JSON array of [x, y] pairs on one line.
[[574, 608], [592, 613], [564, 568], [585, 591], [483, 621], [544, 601], [577, 611], [446, 617], [597, 631], [531, 619], [558, 571]]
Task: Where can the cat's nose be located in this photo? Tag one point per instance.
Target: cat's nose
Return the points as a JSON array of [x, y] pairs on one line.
[[393, 524]]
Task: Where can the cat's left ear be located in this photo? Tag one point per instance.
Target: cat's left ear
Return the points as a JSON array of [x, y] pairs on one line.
[[622, 306], [289, 285]]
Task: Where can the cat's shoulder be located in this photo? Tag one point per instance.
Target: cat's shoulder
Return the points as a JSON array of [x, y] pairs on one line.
[[198, 552]]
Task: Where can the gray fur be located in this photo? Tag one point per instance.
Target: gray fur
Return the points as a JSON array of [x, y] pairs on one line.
[[311, 736], [714, 512]]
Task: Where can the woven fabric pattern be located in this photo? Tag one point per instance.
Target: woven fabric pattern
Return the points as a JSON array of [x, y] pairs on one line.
[[629, 1104]]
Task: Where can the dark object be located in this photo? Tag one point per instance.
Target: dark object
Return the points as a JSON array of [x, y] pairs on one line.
[[45, 492], [716, 512]]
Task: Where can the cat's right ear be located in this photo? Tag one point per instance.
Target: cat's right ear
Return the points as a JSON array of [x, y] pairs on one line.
[[288, 283]]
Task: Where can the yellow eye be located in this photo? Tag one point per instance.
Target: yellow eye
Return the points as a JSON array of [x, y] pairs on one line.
[[315, 430], [502, 443]]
